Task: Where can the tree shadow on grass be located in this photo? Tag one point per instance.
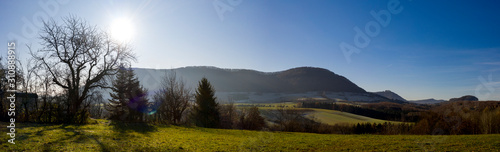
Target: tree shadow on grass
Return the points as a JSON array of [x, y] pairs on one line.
[[77, 137], [74, 134], [46, 128], [124, 127]]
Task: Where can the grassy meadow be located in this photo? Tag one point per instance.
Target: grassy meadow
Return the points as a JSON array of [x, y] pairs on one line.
[[106, 136], [330, 117]]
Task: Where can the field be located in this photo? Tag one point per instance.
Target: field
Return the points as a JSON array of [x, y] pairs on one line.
[[106, 136], [321, 115], [335, 117]]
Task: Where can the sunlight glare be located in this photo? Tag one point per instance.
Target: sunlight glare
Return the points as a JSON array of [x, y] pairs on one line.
[[122, 30]]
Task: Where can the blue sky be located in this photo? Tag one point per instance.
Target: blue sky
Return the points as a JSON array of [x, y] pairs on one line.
[[430, 49]]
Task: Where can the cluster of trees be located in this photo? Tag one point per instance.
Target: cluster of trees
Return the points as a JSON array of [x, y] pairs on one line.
[[248, 118], [67, 72], [461, 117], [457, 117], [295, 120], [173, 104], [382, 128], [62, 82]]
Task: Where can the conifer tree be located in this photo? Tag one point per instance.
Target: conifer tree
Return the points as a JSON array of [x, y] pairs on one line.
[[206, 112], [137, 99], [128, 99], [117, 106]]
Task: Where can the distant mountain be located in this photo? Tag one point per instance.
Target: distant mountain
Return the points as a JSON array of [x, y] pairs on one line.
[[296, 80], [242, 85], [391, 95], [427, 101], [464, 98]]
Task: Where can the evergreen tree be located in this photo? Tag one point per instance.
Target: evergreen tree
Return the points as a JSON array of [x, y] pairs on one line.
[[128, 99], [117, 105], [137, 99], [206, 112]]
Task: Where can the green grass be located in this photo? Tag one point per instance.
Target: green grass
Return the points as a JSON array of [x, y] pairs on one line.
[[322, 115], [139, 137], [266, 106], [335, 117]]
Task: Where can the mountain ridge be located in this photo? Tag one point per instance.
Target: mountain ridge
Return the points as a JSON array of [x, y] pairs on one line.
[[252, 86], [427, 101], [391, 95], [294, 80]]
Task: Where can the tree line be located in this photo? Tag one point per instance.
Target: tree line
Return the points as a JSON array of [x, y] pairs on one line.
[[63, 80], [449, 118]]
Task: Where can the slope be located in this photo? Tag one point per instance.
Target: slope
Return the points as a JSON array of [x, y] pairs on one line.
[[133, 137]]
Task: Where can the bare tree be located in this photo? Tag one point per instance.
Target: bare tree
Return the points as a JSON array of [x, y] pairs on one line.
[[29, 84], [45, 91], [95, 104], [5, 85], [174, 98], [487, 120], [228, 116], [289, 119], [79, 57], [252, 119]]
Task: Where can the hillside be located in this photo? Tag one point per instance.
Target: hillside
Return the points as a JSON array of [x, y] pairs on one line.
[[242, 85], [250, 86], [327, 116], [141, 137], [296, 80], [391, 95], [427, 101], [333, 117]]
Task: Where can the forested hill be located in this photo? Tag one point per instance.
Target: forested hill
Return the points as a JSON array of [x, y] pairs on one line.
[[301, 79]]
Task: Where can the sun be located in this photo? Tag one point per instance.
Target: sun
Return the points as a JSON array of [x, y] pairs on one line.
[[122, 29]]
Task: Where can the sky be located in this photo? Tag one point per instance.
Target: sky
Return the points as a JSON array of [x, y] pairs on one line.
[[427, 49]]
